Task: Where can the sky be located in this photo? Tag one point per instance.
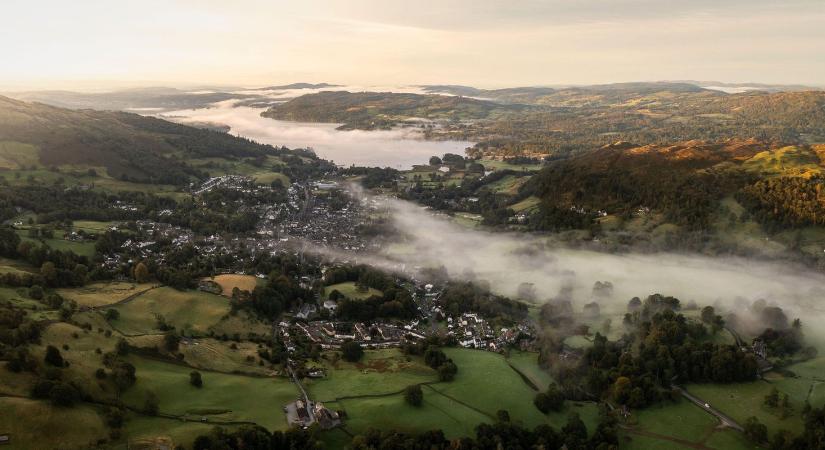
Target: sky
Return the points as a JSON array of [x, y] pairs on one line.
[[99, 44]]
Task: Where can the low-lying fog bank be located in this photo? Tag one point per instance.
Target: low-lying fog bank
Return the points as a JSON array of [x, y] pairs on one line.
[[507, 260], [399, 149]]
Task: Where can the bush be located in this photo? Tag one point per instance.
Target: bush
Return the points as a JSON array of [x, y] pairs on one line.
[[447, 371], [352, 351], [53, 356], [63, 394], [151, 405], [195, 379], [112, 314], [542, 402], [413, 395]]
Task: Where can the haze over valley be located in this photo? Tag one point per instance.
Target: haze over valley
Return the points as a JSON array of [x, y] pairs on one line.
[[453, 225]]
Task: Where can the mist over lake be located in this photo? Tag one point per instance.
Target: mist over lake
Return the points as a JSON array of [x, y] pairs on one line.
[[399, 149]]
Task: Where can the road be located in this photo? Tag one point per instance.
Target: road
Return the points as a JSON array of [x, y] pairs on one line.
[[726, 420], [303, 392]]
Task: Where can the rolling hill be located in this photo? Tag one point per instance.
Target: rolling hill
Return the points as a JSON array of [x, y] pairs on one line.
[[129, 146], [377, 110]]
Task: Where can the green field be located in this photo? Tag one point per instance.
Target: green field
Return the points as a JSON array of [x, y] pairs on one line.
[[19, 298], [351, 291], [392, 412], [46, 426], [86, 248], [223, 397], [472, 387], [82, 353], [529, 204], [104, 293], [379, 372], [190, 312], [16, 267], [91, 226], [785, 161], [17, 155], [142, 432], [527, 364], [212, 354], [678, 425], [490, 164], [743, 400], [241, 323]]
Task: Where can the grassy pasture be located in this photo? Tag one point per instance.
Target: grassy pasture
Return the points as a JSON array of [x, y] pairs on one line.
[[242, 324], [191, 312], [105, 293], [19, 298], [34, 424], [144, 433], [81, 354], [17, 155], [472, 386], [15, 266], [212, 354], [786, 161], [379, 372], [392, 412], [86, 248], [222, 397], [92, 226], [743, 400], [229, 281], [679, 425], [349, 290], [490, 164], [527, 364], [529, 204]]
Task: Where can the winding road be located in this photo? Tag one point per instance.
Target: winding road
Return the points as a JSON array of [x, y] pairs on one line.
[[725, 419]]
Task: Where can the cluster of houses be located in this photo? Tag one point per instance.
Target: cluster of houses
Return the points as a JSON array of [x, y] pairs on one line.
[[331, 335]]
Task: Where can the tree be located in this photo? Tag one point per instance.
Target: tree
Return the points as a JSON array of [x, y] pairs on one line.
[[123, 374], [503, 416], [112, 314], [575, 431], [64, 394], [413, 395], [555, 397], [53, 356], [772, 399], [755, 430], [434, 357], [621, 390], [49, 273], [352, 351], [141, 273], [708, 314], [542, 402], [447, 371], [171, 341], [36, 292], [435, 161], [151, 405], [195, 379]]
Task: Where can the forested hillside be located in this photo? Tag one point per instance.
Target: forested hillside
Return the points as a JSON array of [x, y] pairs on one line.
[[376, 110], [128, 146]]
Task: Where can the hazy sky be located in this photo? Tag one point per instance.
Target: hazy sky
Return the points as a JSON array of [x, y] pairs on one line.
[[101, 43]]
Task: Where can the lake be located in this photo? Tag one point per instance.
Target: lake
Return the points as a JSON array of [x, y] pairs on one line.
[[399, 149]]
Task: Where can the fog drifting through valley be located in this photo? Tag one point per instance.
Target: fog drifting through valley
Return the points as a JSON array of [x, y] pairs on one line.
[[508, 259], [399, 148]]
